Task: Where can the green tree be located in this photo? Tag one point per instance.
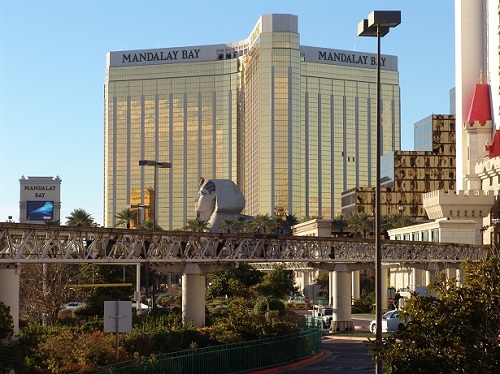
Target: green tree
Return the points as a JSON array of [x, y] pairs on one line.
[[6, 322], [323, 280], [233, 282], [275, 285], [455, 331], [7, 357], [80, 217], [126, 217], [360, 223], [104, 275]]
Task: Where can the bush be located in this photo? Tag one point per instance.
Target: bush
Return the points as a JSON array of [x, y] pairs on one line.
[[71, 351], [75, 344], [362, 306], [6, 322]]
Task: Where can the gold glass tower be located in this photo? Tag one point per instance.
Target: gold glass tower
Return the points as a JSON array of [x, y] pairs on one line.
[[292, 125]]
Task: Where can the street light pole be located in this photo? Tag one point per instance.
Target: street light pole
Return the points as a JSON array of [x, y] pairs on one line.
[[156, 165], [138, 217], [378, 24]]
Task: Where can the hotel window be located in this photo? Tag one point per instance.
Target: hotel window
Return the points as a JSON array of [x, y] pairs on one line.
[[435, 235], [425, 236]]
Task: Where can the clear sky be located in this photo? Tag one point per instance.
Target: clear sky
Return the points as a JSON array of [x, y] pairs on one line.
[[52, 61]]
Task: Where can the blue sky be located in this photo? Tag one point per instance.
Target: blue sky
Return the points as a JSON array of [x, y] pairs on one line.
[[52, 61]]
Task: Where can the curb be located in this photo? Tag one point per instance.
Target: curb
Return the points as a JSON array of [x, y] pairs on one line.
[[344, 337], [292, 365]]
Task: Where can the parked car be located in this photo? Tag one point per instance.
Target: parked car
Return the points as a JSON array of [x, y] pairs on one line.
[[390, 322], [325, 314], [296, 299], [73, 305], [143, 307]]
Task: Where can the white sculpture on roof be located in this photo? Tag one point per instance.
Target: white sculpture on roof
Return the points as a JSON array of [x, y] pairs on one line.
[[218, 199]]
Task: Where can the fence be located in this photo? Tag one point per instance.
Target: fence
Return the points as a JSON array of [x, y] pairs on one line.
[[230, 358]]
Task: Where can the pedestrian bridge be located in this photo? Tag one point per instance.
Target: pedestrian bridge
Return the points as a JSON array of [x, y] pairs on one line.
[[29, 243], [197, 254]]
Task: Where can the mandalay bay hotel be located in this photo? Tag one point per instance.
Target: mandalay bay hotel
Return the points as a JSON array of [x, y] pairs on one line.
[[292, 125]]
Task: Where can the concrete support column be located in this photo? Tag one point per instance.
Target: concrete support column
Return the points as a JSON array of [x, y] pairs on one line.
[[193, 299], [9, 293], [385, 285], [331, 287], [431, 274], [460, 275], [417, 279], [169, 282], [341, 302], [300, 280], [137, 294], [356, 292], [451, 272]]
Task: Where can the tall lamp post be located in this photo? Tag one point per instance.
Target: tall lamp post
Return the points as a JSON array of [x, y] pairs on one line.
[[156, 165], [378, 24], [138, 215]]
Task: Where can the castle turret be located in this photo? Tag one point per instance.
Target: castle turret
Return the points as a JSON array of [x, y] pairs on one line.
[[478, 131]]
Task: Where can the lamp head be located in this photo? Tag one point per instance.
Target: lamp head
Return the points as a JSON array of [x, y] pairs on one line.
[[379, 21]]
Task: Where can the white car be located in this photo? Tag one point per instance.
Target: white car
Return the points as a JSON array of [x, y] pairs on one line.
[[73, 305], [143, 307], [390, 322]]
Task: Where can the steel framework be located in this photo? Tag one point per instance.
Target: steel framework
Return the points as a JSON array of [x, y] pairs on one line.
[[29, 243]]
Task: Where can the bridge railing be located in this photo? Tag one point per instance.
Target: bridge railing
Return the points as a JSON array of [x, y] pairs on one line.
[[42, 243], [229, 358]]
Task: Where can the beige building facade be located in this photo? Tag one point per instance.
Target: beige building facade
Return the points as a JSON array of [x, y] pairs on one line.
[[407, 175], [291, 125]]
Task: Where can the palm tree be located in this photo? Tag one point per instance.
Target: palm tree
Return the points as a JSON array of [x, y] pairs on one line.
[[52, 222], [360, 223], [228, 224], [394, 221], [261, 224], [80, 217], [196, 225], [287, 224], [150, 225], [126, 216], [339, 223]]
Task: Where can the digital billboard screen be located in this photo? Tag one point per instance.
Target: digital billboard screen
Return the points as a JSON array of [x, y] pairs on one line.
[[39, 210]]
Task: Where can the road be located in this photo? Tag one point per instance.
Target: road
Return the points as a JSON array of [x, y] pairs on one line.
[[342, 354]]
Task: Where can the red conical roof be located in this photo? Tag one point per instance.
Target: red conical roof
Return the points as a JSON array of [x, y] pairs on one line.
[[480, 109], [494, 148]]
